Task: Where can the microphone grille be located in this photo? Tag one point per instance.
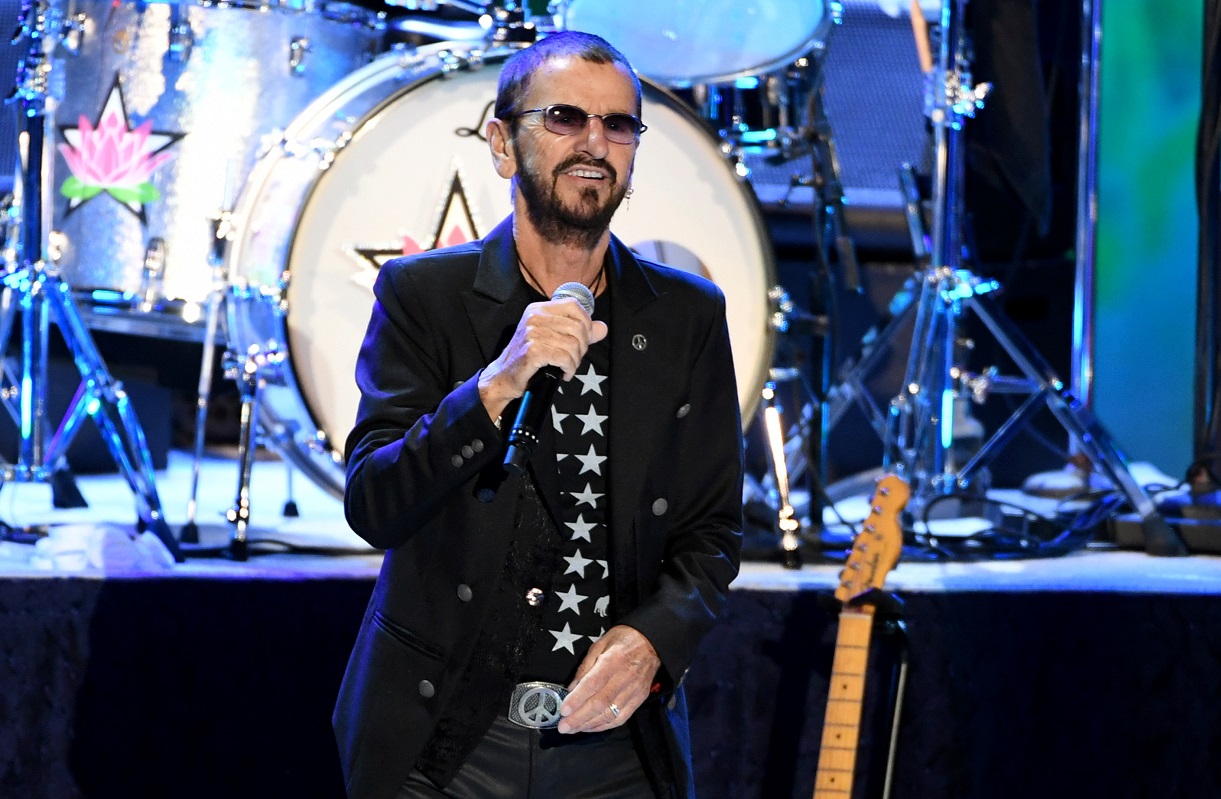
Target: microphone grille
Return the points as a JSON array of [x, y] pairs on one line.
[[579, 292]]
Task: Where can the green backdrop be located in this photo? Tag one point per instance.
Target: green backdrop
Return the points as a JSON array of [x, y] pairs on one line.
[[1145, 271]]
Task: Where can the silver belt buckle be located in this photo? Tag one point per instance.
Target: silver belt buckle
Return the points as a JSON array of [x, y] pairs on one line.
[[536, 704]]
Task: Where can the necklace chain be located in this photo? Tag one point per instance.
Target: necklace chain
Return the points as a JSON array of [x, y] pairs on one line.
[[594, 287]]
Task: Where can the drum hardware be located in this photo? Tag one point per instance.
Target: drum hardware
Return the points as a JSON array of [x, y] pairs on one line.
[[849, 387], [509, 23], [786, 520], [787, 440], [920, 434], [39, 296], [222, 229], [251, 371], [150, 277], [181, 37]]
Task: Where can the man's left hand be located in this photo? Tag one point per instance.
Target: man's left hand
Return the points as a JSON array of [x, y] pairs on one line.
[[616, 674]]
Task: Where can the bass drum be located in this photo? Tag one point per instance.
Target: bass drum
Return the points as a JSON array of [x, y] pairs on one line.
[[393, 160]]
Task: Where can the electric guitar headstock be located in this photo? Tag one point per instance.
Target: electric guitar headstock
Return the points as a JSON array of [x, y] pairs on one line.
[[876, 548]]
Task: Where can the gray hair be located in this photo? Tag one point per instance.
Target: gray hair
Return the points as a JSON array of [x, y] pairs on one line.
[[521, 66]]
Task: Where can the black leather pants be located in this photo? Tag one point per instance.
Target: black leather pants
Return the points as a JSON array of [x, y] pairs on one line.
[[513, 762]]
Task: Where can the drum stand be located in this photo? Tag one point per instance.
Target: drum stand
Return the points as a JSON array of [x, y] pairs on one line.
[[920, 441], [250, 371], [789, 453], [40, 297]]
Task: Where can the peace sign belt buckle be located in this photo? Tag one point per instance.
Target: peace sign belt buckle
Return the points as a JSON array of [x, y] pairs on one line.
[[536, 704]]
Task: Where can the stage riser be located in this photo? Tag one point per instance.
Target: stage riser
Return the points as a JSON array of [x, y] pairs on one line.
[[205, 688]]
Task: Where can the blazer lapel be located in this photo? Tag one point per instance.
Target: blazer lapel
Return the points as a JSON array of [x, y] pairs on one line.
[[492, 317]]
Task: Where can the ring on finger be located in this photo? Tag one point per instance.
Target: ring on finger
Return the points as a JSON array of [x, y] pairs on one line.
[[614, 709]]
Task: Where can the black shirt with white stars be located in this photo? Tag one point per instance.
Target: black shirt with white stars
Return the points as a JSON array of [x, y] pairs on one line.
[[576, 611]]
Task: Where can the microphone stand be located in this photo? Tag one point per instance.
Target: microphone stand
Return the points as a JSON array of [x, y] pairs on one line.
[[37, 294]]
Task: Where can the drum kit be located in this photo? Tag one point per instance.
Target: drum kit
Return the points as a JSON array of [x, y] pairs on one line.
[[235, 174]]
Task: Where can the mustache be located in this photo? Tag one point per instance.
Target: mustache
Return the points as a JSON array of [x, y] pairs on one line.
[[597, 163]]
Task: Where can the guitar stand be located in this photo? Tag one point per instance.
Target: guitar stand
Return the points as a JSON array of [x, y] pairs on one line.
[[888, 625]]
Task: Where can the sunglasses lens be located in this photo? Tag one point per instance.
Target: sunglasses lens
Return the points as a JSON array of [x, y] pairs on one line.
[[564, 119], [621, 128]]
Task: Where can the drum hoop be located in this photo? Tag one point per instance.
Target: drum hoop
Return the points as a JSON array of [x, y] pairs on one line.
[[816, 41], [321, 466], [334, 10]]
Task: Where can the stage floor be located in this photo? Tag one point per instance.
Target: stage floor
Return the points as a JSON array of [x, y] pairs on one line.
[[318, 543]]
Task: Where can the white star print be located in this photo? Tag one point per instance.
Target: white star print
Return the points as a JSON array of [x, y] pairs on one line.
[[564, 639], [577, 563], [591, 461], [581, 528], [590, 381], [557, 418], [586, 497], [570, 600], [596, 637], [603, 564], [591, 421]]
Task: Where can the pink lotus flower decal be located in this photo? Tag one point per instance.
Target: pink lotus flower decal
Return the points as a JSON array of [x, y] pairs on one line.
[[114, 158], [456, 236]]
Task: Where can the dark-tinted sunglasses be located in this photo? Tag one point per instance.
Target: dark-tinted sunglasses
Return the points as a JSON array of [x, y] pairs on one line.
[[565, 120]]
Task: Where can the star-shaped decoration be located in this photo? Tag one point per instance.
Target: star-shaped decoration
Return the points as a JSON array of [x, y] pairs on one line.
[[591, 420], [577, 563], [557, 419], [590, 381], [580, 528], [591, 461], [571, 600], [455, 224], [111, 157], [605, 568], [586, 497], [601, 633], [564, 639]]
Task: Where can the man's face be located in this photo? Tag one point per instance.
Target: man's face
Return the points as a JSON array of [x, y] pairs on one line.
[[572, 185]]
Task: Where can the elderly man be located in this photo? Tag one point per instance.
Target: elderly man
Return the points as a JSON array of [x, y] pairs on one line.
[[531, 627]]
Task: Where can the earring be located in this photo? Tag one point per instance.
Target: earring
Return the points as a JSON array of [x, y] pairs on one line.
[[628, 196]]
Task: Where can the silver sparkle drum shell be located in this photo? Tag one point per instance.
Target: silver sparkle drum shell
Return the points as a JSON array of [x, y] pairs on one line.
[[205, 87], [393, 160]]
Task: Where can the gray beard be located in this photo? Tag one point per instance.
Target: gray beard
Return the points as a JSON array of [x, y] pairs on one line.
[[558, 224]]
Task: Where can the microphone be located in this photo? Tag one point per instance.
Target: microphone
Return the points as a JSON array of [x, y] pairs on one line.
[[540, 391]]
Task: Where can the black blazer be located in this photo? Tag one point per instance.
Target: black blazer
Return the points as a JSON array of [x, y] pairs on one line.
[[423, 442]]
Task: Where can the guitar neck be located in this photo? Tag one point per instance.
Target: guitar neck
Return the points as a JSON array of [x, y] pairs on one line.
[[841, 728]]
